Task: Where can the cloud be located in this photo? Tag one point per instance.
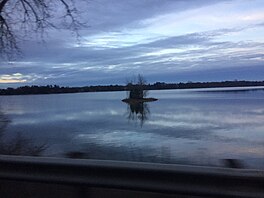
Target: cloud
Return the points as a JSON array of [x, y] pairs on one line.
[[13, 78], [167, 38]]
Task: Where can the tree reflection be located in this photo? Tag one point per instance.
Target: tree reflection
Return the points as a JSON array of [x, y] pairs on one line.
[[18, 145], [138, 111]]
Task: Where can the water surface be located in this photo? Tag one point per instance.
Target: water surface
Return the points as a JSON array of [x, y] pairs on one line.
[[196, 126]]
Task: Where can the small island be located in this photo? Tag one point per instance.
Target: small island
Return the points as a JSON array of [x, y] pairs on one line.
[[137, 93], [132, 100]]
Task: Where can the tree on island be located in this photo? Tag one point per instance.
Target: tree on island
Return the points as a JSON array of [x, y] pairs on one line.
[[136, 87], [137, 90]]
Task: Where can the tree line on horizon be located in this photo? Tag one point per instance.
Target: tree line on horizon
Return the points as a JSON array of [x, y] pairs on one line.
[[56, 89]]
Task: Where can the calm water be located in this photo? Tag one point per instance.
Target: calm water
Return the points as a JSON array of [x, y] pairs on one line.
[[202, 127]]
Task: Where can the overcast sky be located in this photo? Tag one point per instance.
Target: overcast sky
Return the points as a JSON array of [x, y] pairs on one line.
[[165, 40]]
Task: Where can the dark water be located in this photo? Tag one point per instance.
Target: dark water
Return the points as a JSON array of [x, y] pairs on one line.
[[202, 127]]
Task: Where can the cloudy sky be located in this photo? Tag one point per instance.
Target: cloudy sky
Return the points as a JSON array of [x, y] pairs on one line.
[[165, 40]]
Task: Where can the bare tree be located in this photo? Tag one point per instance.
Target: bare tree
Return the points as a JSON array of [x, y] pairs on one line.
[[20, 18], [141, 81], [136, 87]]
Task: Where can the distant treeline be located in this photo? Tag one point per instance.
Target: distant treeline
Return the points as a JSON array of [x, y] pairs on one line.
[[55, 89]]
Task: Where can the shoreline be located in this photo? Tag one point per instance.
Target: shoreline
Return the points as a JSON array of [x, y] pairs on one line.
[[35, 90]]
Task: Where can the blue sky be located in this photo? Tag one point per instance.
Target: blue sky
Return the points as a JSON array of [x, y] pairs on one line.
[[165, 40]]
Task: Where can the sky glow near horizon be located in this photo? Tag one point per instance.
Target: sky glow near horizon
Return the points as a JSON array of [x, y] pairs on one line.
[[167, 41]]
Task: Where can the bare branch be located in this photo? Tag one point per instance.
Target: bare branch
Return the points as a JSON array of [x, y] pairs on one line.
[[2, 5], [23, 18], [8, 42]]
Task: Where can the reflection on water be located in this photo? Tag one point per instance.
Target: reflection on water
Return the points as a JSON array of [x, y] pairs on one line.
[[138, 111], [17, 145], [185, 126]]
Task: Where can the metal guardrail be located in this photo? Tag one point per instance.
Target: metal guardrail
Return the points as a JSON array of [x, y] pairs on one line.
[[162, 178]]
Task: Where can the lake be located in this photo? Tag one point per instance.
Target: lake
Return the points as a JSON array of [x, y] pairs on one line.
[[197, 126]]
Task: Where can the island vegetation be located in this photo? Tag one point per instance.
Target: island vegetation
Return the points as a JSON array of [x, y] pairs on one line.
[[137, 91], [56, 89]]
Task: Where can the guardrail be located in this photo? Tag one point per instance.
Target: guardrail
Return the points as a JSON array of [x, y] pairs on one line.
[[147, 177]]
